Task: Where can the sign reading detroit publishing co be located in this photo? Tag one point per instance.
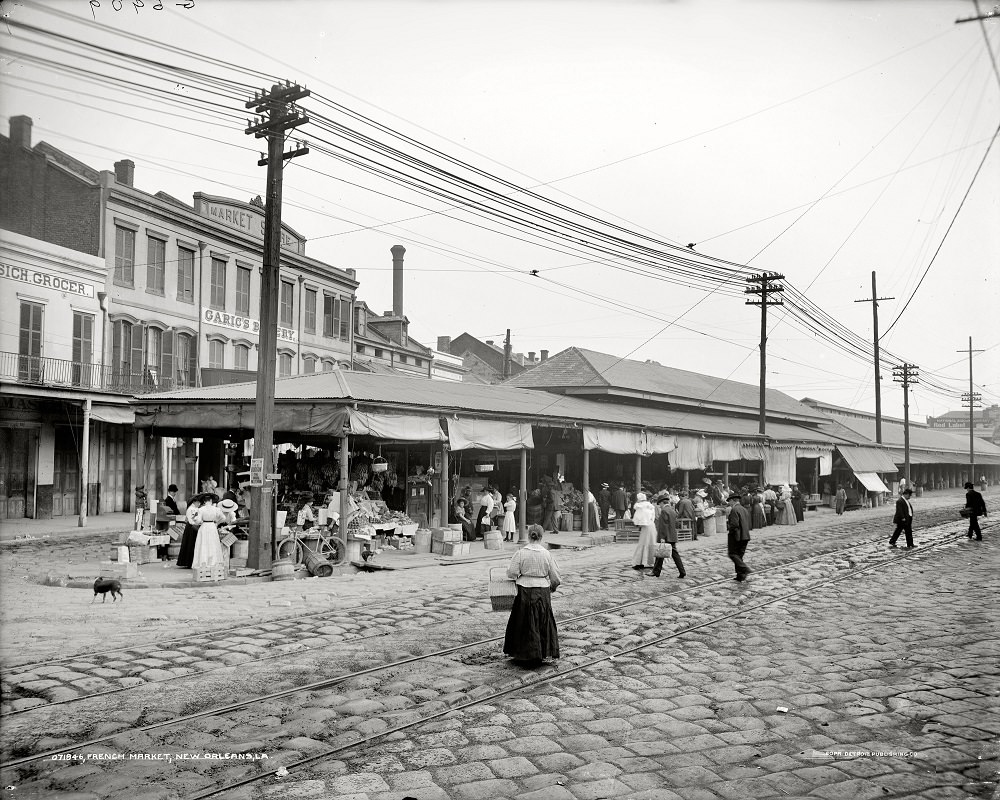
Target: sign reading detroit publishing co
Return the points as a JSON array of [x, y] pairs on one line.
[[235, 322]]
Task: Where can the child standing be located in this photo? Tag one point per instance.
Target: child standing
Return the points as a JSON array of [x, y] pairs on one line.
[[509, 526]]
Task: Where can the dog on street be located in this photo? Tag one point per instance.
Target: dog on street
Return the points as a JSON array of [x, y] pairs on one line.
[[104, 585]]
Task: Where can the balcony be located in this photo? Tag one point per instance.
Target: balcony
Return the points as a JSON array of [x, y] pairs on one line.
[[59, 373]]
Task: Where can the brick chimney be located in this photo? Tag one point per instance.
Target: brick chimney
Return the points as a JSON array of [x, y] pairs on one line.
[[20, 131], [444, 344], [397, 251], [125, 171], [545, 355], [531, 356]]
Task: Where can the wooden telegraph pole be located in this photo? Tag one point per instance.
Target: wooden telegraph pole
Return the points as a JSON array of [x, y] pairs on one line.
[[906, 374], [971, 397], [279, 115], [878, 373], [763, 288]]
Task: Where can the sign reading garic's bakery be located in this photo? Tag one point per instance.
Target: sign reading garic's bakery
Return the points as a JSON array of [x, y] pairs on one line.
[[245, 217], [235, 322]]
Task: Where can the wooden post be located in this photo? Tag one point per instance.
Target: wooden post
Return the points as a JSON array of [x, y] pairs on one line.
[[638, 472], [522, 500], [444, 478], [342, 486], [84, 466], [585, 528]]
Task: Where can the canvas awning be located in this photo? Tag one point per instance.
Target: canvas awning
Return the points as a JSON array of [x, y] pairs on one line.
[[400, 427], [871, 481], [779, 465], [466, 433], [867, 459], [116, 415], [613, 440]]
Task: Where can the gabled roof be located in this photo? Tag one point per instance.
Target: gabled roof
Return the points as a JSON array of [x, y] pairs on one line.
[[588, 373]]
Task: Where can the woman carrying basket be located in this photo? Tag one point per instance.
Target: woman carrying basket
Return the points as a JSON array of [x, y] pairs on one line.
[[531, 630]]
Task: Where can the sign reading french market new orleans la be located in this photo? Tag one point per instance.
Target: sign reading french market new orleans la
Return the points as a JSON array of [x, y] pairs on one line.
[[46, 280], [235, 322]]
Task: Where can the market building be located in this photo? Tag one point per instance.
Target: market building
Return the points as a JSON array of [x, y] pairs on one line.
[[986, 423]]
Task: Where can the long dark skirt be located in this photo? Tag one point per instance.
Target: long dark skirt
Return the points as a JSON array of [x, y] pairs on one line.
[[531, 629], [186, 556], [757, 517], [799, 505]]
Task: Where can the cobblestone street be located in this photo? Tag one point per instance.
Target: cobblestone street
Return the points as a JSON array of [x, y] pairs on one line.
[[842, 668]]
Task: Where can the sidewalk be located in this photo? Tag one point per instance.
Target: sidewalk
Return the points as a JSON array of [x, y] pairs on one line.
[[63, 527]]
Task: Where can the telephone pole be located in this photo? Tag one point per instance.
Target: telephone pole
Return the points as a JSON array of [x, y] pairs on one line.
[[764, 286], [506, 356], [278, 115], [907, 375], [972, 398], [878, 373]]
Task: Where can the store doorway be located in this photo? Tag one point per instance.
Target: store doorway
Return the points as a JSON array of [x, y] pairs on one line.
[[66, 473], [17, 480]]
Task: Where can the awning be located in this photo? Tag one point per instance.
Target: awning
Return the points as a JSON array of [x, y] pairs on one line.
[[659, 443], [726, 450], [465, 433], [403, 427], [867, 459], [116, 415], [871, 481], [693, 452], [824, 454], [613, 440], [180, 420], [751, 451], [779, 465]]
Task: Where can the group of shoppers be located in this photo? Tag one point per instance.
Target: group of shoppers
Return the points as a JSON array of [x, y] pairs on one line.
[[206, 515]]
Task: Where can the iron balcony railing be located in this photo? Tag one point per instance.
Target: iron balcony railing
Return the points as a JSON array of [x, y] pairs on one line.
[[57, 372]]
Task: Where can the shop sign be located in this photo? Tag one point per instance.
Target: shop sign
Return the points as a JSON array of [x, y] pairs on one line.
[[46, 280], [256, 471], [235, 322], [241, 218]]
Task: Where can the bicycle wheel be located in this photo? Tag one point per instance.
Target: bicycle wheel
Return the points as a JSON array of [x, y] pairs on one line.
[[289, 548], [332, 549]]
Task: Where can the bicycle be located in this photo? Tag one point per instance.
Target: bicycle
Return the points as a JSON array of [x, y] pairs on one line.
[[299, 544]]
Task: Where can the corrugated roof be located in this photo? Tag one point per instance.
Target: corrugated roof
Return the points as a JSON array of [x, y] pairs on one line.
[[580, 369], [389, 391]]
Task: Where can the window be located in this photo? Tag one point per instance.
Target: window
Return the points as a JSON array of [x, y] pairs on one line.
[[330, 323], [329, 366], [217, 294], [241, 357], [345, 319], [185, 275], [29, 364], [186, 363], [154, 352], [284, 365], [310, 311], [360, 320], [402, 358], [378, 352], [359, 348], [308, 365], [243, 291], [286, 304], [127, 354], [418, 361], [156, 258], [83, 348], [216, 354], [124, 256]]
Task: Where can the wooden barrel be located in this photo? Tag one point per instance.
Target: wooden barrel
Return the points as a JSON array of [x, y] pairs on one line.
[[422, 541], [720, 522], [173, 550], [318, 566], [283, 570]]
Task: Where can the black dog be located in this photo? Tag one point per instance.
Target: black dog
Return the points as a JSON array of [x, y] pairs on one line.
[[105, 585]]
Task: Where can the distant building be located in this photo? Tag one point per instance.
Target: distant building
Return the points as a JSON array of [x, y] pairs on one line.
[[987, 422], [485, 360]]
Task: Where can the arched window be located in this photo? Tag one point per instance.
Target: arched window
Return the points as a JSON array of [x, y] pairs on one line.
[[284, 364], [241, 357], [308, 365]]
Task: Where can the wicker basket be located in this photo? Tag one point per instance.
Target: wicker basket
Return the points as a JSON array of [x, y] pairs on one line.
[[502, 590], [227, 539]]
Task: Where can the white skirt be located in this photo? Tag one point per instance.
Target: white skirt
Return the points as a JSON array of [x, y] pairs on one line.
[[643, 553]]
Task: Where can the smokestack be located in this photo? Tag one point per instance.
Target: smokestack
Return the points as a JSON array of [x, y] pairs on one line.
[[397, 251], [544, 354], [20, 131], [444, 344], [531, 356], [125, 171]]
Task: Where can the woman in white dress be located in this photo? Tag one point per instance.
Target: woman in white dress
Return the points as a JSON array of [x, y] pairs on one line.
[[644, 515], [207, 547], [509, 525]]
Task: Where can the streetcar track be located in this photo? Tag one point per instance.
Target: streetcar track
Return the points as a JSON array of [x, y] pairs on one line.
[[557, 674], [517, 685]]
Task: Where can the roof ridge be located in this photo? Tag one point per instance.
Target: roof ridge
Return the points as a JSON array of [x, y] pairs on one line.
[[582, 354]]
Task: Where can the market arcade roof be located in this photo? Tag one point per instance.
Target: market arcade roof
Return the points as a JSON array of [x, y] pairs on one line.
[[317, 405], [587, 373]]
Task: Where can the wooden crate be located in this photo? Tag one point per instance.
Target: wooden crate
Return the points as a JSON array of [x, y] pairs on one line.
[[455, 548], [216, 572], [502, 590], [493, 540], [111, 569], [684, 530], [625, 531]]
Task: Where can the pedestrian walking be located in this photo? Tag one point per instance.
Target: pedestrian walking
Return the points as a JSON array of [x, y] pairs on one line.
[[738, 526], [903, 519], [531, 634], [644, 515], [977, 508], [619, 501], [666, 531], [841, 500], [509, 525], [604, 504]]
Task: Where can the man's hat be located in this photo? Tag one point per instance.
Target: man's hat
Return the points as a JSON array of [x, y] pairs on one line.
[[605, 486], [907, 490]]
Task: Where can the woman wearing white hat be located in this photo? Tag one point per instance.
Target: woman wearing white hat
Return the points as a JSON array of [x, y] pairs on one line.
[[644, 515]]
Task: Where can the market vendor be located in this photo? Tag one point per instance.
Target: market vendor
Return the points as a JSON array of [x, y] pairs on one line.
[[462, 517]]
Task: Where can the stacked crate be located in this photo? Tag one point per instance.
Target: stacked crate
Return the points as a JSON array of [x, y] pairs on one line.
[[625, 531], [444, 536]]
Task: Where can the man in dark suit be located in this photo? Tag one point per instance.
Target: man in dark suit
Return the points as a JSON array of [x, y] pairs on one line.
[[903, 519], [666, 531], [604, 503], [977, 508], [739, 535]]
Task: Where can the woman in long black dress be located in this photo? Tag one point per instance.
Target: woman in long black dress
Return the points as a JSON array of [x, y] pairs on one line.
[[186, 555], [531, 630]]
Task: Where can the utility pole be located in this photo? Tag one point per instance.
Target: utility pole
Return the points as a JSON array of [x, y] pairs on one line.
[[907, 375], [279, 115], [506, 356], [765, 286], [972, 398], [878, 373]]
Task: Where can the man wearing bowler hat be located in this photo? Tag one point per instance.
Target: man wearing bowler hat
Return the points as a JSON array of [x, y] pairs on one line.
[[903, 519]]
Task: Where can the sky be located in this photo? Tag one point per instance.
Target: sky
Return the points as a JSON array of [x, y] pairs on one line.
[[821, 140]]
